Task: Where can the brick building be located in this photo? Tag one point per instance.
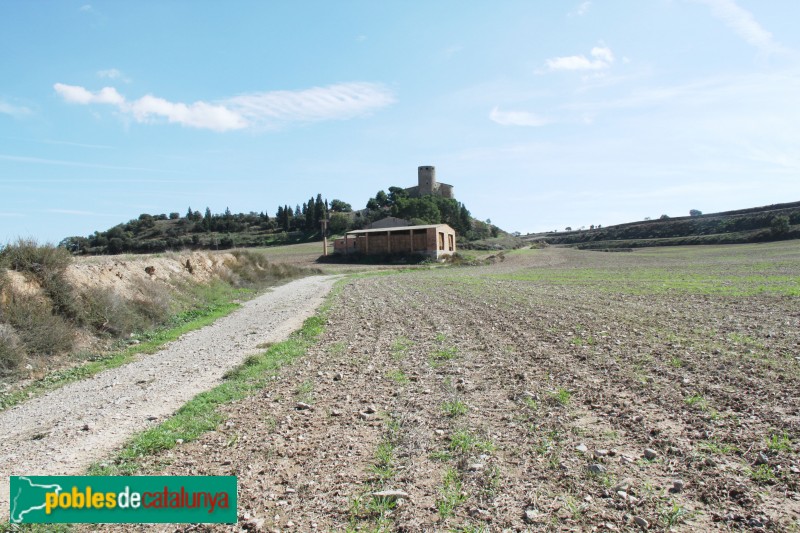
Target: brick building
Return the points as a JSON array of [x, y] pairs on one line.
[[436, 241]]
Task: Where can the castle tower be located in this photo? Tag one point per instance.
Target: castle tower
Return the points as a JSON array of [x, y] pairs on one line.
[[427, 180]]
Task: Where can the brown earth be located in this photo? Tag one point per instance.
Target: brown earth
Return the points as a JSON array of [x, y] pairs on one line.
[[556, 390]]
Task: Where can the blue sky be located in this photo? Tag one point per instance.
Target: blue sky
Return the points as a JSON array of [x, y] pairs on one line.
[[542, 114]]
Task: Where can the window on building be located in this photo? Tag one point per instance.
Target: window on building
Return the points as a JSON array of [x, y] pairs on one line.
[[441, 240], [450, 242]]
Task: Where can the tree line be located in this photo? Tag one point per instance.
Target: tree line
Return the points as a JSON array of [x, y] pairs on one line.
[[301, 223]]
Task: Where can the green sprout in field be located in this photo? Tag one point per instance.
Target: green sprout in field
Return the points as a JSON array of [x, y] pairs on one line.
[[779, 443], [454, 408], [450, 494]]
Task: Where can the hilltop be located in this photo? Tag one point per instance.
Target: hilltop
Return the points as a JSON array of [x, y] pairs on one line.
[[196, 231], [756, 224]]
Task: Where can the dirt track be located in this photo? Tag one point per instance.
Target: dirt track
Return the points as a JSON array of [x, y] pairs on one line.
[[66, 430], [555, 391]]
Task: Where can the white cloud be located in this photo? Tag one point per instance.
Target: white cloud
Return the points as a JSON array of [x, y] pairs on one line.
[[602, 58], [197, 115], [86, 7], [340, 101], [78, 95], [743, 23], [13, 110], [267, 109], [516, 118], [582, 9], [110, 73]]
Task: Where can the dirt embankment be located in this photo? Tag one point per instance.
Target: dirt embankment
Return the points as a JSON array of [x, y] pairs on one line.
[[53, 306], [126, 274]]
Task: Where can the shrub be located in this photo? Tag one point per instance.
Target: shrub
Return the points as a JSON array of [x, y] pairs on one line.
[[252, 270], [108, 312], [47, 264], [154, 304], [26, 255], [779, 225], [11, 351], [41, 331]]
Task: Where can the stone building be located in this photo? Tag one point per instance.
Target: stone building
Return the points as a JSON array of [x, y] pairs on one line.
[[435, 240], [427, 184]]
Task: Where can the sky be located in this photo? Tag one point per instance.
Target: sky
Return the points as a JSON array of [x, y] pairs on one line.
[[541, 114]]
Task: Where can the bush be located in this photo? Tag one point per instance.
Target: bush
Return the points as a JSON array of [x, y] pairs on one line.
[[11, 352], [108, 312], [47, 264], [779, 225], [26, 255], [41, 331], [252, 270]]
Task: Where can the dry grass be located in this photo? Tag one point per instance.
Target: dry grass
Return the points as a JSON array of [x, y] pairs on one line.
[[41, 331], [253, 270], [11, 352]]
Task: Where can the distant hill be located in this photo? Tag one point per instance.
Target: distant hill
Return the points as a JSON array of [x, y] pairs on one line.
[[203, 231], [757, 224]]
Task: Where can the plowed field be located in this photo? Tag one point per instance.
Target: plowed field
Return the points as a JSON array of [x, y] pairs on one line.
[[556, 390]]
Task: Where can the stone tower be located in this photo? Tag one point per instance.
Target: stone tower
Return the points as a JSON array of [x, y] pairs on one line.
[[427, 180], [427, 184]]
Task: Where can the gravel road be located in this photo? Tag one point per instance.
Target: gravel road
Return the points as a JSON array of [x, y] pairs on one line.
[[63, 432]]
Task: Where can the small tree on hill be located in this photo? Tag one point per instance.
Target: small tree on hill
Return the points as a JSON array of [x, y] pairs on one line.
[[779, 225], [338, 206], [695, 212]]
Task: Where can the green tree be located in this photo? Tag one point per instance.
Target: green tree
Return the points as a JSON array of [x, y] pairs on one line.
[[780, 225], [339, 223], [319, 211], [396, 193], [465, 220], [338, 206]]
